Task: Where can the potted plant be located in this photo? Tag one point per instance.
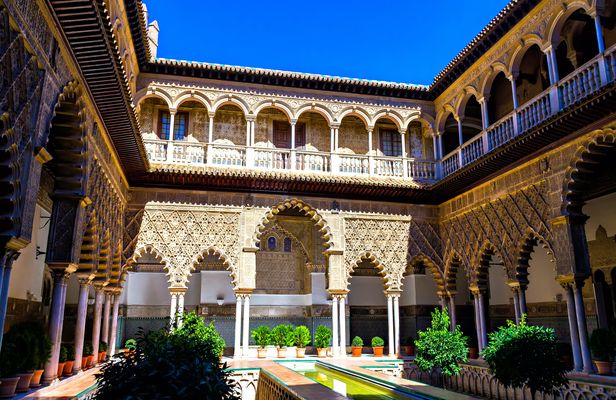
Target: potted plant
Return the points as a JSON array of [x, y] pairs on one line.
[[86, 361], [377, 346], [62, 360], [10, 358], [41, 346], [102, 351], [322, 337], [21, 338], [262, 338], [70, 359], [409, 346], [357, 344], [282, 336], [603, 347], [473, 349], [302, 339]]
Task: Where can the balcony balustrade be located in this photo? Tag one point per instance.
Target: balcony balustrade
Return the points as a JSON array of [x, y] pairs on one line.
[[583, 82]]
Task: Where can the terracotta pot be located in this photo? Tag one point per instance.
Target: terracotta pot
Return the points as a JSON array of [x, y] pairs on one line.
[[604, 367], [378, 351], [356, 351], [89, 363], [36, 378], [23, 385], [7, 387], [282, 352], [102, 355], [473, 352], [60, 369], [322, 353], [84, 363], [68, 368], [409, 350], [261, 352], [300, 352]]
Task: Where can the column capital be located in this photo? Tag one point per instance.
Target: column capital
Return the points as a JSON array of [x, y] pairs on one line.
[[251, 117], [334, 125], [177, 290], [392, 293], [246, 292], [211, 114], [293, 121], [173, 111], [402, 131], [569, 218]]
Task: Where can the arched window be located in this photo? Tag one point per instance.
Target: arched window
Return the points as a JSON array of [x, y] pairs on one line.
[[287, 245], [271, 243]]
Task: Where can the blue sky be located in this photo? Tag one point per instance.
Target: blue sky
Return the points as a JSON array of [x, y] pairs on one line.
[[393, 40]]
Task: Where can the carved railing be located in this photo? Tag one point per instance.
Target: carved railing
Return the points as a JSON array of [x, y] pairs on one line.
[[353, 164], [388, 166], [472, 150], [269, 388], [272, 158], [421, 169], [534, 112], [156, 149], [188, 152], [313, 161], [501, 132], [450, 163], [477, 380], [610, 63], [581, 82], [232, 156]]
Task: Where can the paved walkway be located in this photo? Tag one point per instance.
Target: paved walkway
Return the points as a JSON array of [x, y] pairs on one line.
[[68, 388]]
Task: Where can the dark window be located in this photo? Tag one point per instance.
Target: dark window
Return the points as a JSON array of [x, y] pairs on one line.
[[271, 243], [391, 144], [180, 125], [287, 245], [300, 135]]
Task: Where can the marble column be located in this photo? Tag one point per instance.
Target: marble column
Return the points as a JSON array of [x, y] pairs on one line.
[[114, 325], [80, 325], [237, 349], [180, 309], [5, 271], [335, 321], [599, 32], [514, 91], [56, 321], [390, 325], [580, 314], [452, 312], [342, 317], [482, 320], [516, 304], [246, 325], [96, 323], [522, 300], [106, 312], [397, 325], [477, 321], [573, 330], [174, 308]]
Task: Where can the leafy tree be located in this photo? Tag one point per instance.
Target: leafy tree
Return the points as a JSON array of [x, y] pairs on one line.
[[357, 342], [603, 344], [283, 335], [525, 355], [301, 336], [377, 341], [168, 365], [322, 337], [193, 325], [439, 347]]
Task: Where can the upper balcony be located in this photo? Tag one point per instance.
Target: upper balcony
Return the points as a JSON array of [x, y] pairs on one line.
[[229, 129], [226, 131]]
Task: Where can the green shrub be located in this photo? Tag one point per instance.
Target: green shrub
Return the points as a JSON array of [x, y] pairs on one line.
[[130, 344], [322, 337], [102, 346], [283, 335], [63, 354], [70, 351], [167, 365], [357, 342], [377, 342], [26, 347], [603, 344], [439, 347], [525, 355], [262, 336], [193, 326], [87, 349], [301, 336]]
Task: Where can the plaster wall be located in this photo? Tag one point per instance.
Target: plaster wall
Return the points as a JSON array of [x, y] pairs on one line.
[[27, 269], [149, 288], [366, 291], [601, 212], [216, 285]]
